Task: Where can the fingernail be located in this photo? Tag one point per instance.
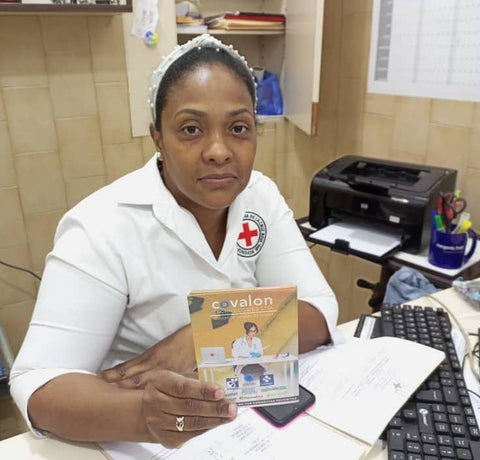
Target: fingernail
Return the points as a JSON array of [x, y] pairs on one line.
[[232, 410], [219, 394]]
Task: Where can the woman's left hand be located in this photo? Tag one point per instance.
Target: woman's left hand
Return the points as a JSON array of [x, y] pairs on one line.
[[175, 353]]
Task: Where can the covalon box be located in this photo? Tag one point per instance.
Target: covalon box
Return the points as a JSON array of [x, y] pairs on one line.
[[246, 340]]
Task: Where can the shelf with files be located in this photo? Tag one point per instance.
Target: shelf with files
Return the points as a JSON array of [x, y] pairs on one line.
[[293, 54]]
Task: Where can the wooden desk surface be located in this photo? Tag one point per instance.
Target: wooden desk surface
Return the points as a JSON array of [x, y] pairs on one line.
[[27, 447]]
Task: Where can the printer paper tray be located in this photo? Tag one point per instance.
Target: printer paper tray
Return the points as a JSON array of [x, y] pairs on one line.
[[371, 241]]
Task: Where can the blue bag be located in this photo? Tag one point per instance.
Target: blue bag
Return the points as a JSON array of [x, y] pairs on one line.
[[269, 97]]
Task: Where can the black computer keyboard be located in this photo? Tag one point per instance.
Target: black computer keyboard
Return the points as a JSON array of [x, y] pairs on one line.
[[438, 421]]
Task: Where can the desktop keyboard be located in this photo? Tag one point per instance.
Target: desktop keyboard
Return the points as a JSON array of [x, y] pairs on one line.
[[438, 421]]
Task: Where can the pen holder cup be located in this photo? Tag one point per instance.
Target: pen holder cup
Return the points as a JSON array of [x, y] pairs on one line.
[[449, 250]]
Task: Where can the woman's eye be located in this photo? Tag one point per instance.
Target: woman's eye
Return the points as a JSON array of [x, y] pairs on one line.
[[240, 129], [191, 129]]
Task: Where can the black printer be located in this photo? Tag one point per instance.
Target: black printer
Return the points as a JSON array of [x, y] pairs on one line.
[[370, 190]]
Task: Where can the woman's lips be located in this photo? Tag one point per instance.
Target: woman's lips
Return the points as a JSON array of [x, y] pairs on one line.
[[218, 179]]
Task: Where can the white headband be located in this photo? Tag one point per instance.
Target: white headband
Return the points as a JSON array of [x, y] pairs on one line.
[[201, 41]]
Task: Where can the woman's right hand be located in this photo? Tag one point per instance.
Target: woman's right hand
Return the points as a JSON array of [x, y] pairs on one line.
[[175, 353], [167, 397]]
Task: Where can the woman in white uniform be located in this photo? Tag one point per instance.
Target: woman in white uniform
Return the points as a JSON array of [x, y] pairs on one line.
[[109, 352], [248, 345]]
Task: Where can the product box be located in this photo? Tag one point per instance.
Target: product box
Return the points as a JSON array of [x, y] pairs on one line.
[[246, 340]]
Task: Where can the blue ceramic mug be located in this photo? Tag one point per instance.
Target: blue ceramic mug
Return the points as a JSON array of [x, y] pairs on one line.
[[449, 250]]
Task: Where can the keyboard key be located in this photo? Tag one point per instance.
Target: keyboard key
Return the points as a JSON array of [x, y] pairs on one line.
[[454, 410], [438, 417], [464, 454], [428, 438], [414, 457], [461, 442], [446, 452], [430, 396], [445, 440], [442, 428], [458, 430], [425, 424], [430, 449], [450, 395], [411, 434], [395, 439], [468, 411], [394, 455], [409, 414], [471, 421], [396, 422], [439, 408], [454, 419], [474, 432], [413, 447]]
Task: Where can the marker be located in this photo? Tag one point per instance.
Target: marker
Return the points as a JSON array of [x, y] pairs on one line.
[[465, 225], [439, 223]]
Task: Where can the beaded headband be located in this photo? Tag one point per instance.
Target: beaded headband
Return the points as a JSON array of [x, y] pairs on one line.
[[199, 42]]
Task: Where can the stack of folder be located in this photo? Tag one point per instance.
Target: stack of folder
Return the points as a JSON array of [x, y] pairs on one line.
[[242, 20], [189, 24]]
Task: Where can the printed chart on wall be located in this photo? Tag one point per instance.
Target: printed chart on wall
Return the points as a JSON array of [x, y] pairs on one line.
[[426, 48]]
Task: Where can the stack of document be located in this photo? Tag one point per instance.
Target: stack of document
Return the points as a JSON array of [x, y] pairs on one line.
[[359, 386], [242, 20], [188, 24]]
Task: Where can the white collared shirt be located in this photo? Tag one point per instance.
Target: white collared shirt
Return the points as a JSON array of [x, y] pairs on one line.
[[241, 348], [125, 259]]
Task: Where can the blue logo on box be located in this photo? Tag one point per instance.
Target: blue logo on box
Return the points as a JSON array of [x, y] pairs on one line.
[[266, 380], [232, 382]]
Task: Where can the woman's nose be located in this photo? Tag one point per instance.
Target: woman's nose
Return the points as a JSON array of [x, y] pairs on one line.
[[217, 150]]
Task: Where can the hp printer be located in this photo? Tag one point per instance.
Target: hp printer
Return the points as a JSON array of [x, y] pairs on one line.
[[392, 194]]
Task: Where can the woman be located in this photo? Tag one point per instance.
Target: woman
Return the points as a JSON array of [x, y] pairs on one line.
[[115, 286], [248, 345]]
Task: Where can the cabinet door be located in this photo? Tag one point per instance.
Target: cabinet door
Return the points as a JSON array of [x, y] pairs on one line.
[[303, 56]]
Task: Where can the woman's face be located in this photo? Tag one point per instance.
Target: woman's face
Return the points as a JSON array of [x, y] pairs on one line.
[[207, 139], [252, 331]]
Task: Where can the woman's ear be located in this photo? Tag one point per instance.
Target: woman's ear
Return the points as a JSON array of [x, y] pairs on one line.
[[156, 137]]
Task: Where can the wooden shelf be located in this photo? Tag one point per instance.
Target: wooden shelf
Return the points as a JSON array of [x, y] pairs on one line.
[[17, 8], [234, 32]]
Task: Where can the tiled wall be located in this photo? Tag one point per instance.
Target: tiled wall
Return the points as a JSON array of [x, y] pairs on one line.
[[65, 132]]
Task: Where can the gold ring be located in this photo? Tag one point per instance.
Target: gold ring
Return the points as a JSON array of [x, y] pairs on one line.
[[180, 423]]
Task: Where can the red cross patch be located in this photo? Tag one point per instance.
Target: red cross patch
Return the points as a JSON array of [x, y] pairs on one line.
[[252, 235]]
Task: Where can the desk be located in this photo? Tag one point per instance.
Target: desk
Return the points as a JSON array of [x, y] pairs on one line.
[[395, 260], [26, 447]]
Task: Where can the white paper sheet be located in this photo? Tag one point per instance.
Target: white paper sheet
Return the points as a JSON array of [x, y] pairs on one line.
[[365, 379], [146, 17], [370, 239], [248, 437]]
